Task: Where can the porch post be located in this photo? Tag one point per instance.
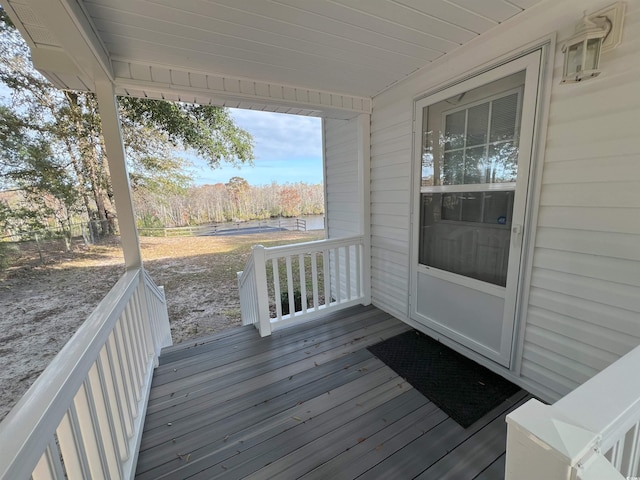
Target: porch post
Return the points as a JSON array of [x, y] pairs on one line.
[[108, 108], [364, 194]]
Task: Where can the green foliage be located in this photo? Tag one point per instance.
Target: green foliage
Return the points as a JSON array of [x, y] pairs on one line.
[[52, 146], [297, 301], [208, 130]]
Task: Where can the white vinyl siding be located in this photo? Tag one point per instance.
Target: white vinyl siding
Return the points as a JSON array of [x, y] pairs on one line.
[[583, 304], [341, 177], [390, 197], [343, 205]]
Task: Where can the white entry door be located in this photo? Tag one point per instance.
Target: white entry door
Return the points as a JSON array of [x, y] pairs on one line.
[[474, 144]]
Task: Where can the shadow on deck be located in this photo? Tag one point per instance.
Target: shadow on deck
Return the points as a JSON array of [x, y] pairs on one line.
[[308, 402]]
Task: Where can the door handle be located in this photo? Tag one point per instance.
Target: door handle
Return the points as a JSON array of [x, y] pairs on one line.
[[516, 234]]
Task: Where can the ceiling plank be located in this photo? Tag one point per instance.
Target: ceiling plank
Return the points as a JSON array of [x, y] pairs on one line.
[[138, 27], [450, 13], [433, 33], [287, 16], [497, 10]]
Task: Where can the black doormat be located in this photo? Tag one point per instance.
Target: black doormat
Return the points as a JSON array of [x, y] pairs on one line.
[[463, 389]]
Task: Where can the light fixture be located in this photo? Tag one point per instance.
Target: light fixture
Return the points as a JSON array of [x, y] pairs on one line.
[[594, 34]]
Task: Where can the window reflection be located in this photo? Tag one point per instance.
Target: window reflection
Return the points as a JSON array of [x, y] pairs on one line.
[[467, 233], [478, 145], [470, 139]]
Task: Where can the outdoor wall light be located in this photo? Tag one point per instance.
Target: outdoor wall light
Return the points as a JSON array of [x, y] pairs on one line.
[[596, 33]]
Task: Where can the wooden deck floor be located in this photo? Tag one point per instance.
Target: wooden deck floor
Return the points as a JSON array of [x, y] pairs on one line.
[[308, 402]]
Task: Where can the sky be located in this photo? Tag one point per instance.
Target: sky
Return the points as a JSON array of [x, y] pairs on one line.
[[287, 149]]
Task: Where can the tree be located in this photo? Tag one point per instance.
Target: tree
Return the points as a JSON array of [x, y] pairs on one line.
[[69, 123], [290, 201], [238, 188]]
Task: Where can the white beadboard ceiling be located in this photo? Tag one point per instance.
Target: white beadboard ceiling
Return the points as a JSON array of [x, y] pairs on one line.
[[314, 56]]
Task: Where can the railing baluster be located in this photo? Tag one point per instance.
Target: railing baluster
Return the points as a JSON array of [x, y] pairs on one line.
[[144, 321], [136, 339], [326, 260], [116, 416], [292, 304], [71, 446], [358, 273], [129, 330], [634, 457], [276, 288], [336, 266], [347, 267], [618, 453], [303, 283], [99, 398], [127, 372], [49, 466], [93, 436], [122, 385], [314, 279]]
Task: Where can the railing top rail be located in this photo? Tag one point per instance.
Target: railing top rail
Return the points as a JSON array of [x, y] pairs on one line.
[[314, 246], [151, 286], [248, 270], [608, 403], [34, 419]]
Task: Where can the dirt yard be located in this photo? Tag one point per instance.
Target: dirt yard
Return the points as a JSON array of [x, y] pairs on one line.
[[41, 306]]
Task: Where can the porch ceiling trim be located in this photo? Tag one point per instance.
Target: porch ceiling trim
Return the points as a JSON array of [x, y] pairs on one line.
[[194, 87]]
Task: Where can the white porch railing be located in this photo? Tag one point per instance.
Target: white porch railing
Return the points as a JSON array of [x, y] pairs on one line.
[[593, 433], [83, 417], [294, 283]]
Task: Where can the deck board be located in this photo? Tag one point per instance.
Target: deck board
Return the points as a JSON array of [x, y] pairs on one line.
[[308, 402]]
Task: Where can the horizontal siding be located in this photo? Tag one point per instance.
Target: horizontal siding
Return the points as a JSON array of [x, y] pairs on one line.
[[612, 245], [390, 214], [582, 310], [584, 305], [341, 177], [622, 324]]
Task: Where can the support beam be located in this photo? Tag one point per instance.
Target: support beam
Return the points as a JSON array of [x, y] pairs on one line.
[[68, 23], [119, 176], [364, 194]]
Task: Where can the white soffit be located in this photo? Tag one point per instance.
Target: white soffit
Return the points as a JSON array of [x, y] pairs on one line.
[[315, 56]]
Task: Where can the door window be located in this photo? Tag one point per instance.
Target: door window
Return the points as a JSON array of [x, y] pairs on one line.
[[469, 172]]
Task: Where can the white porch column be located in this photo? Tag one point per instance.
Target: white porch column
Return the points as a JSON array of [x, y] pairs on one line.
[[119, 177], [364, 194]]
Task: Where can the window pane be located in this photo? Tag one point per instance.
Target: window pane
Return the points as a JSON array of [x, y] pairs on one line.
[[451, 206], [477, 125], [467, 233], [503, 162], [472, 207], [454, 130], [453, 168], [475, 165], [503, 118], [498, 208]]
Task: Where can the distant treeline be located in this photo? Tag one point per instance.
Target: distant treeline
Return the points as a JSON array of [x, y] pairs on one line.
[[233, 201]]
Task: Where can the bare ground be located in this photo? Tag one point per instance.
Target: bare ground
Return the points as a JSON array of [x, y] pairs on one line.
[[41, 306]]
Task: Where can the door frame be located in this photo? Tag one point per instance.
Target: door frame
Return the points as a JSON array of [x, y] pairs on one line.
[[533, 62]]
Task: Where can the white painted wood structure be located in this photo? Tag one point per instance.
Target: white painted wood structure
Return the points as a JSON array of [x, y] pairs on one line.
[[83, 416], [336, 282], [363, 67], [591, 433]]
